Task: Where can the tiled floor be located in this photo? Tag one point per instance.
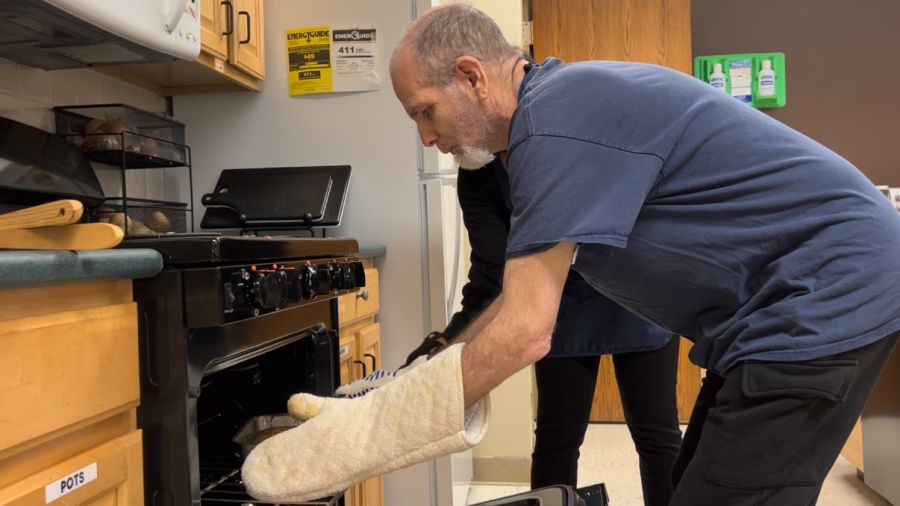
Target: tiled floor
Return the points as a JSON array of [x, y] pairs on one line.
[[608, 456]]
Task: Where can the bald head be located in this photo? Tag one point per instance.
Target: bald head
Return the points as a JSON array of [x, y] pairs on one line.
[[434, 42]]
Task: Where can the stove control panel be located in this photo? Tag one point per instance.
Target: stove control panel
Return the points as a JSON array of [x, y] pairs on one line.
[[227, 294]]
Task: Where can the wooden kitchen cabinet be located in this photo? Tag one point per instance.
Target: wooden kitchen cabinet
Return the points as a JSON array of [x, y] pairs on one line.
[[68, 395], [232, 54], [232, 31], [360, 351]]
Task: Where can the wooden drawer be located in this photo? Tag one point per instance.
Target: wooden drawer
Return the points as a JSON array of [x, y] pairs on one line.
[[63, 368], [354, 306], [109, 474], [346, 308]]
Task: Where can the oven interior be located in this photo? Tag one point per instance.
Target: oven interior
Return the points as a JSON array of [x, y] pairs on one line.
[[257, 386]]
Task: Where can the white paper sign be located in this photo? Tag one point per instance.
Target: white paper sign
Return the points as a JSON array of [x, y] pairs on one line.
[[70, 482]]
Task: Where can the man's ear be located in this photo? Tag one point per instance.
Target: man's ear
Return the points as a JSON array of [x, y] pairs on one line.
[[470, 70]]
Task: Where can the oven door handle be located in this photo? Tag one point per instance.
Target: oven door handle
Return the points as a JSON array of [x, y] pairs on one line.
[[363, 364]]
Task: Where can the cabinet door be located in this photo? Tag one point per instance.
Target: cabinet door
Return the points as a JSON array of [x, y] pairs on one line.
[[372, 491], [110, 474], [214, 22], [247, 43], [368, 342], [346, 358], [368, 345]]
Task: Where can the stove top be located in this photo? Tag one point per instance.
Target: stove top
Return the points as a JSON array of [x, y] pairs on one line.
[[211, 248]]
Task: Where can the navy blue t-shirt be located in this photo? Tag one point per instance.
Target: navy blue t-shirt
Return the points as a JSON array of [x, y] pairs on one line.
[[701, 214]]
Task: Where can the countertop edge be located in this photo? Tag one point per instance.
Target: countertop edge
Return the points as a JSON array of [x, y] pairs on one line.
[[28, 268]]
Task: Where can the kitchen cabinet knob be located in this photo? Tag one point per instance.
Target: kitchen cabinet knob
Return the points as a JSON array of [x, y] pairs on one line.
[[374, 364], [364, 295]]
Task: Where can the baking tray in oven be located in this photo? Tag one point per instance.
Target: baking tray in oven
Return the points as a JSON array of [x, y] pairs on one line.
[[260, 428]]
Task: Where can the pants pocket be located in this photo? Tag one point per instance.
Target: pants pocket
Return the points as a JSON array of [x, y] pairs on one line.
[[769, 416]]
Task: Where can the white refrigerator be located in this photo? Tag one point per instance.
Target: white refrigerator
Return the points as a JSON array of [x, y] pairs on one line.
[[400, 196]]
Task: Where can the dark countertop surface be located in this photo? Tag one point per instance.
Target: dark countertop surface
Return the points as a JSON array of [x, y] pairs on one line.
[[19, 268]]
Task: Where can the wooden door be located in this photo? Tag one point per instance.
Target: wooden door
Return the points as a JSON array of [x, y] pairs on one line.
[[214, 22], [648, 31], [247, 43]]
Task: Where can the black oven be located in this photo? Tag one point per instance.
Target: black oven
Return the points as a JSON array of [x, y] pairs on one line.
[[228, 331]]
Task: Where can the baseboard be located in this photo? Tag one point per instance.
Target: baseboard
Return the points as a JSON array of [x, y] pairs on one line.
[[502, 469]]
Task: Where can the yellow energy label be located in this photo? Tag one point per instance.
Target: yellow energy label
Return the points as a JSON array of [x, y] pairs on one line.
[[309, 59]]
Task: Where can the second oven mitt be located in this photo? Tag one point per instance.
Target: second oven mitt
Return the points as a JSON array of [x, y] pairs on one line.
[[419, 416]]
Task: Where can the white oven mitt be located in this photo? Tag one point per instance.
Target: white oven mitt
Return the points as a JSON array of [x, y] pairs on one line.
[[419, 416]]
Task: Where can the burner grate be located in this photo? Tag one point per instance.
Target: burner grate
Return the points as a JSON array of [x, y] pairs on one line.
[[220, 484]]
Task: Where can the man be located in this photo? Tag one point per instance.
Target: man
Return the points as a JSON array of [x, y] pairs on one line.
[[696, 212], [588, 325]]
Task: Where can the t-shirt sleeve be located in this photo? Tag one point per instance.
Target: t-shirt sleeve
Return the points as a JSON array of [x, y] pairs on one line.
[[567, 189]]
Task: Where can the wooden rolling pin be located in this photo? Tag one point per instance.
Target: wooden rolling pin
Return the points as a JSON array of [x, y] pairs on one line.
[[52, 226], [60, 212]]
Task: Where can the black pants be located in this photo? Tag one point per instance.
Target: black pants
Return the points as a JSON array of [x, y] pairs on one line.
[[647, 387], [767, 433]]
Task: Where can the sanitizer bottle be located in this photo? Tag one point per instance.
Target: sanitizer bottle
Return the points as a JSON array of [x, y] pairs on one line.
[[717, 78], [766, 80]]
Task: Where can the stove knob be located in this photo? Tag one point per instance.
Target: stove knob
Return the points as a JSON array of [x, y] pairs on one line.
[[228, 297], [359, 275], [346, 278], [293, 285], [307, 276], [337, 277], [323, 279], [266, 291]]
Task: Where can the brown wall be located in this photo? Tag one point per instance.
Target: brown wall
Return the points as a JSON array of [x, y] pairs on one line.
[[842, 60]]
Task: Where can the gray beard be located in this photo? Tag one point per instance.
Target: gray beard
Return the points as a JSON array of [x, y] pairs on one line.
[[471, 158]]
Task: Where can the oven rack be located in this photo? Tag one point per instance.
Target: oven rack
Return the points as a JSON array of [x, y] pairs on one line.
[[220, 484]]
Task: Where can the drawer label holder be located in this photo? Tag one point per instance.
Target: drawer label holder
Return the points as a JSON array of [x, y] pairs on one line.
[[70, 483]]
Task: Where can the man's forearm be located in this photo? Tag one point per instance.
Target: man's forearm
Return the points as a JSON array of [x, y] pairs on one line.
[[477, 325]]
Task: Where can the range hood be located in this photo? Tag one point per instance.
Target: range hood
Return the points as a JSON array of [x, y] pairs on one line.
[[61, 34]]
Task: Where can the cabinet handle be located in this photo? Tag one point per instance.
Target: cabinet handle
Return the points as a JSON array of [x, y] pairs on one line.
[[374, 366], [364, 295], [229, 18], [245, 13], [363, 364]]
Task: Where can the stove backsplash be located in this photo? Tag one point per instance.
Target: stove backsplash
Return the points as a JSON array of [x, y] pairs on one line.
[[29, 95]]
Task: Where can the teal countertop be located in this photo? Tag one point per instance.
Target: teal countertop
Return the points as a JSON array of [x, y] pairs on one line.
[[371, 251], [19, 268]]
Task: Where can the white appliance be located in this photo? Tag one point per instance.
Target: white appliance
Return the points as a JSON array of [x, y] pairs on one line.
[[400, 197], [58, 34]]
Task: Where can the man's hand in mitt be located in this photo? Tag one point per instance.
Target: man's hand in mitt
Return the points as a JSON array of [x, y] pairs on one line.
[[419, 416]]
